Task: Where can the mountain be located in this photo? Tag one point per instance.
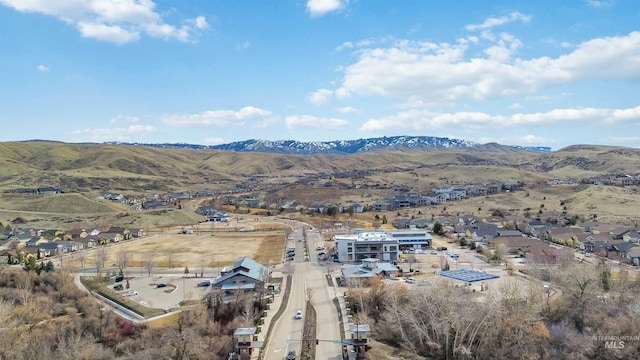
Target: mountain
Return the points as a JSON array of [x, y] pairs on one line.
[[340, 147]]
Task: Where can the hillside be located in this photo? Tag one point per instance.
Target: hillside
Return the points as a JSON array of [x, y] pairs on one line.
[[86, 170]]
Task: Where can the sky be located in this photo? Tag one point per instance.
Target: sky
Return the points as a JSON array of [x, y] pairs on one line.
[[528, 73]]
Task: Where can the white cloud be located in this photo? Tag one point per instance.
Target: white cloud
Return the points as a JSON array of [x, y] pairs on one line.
[[598, 3], [493, 22], [626, 114], [43, 68], [322, 7], [533, 139], [348, 110], [244, 45], [217, 118], [308, 121], [441, 73], [515, 106], [119, 21], [125, 118], [342, 93], [423, 120], [319, 97], [214, 141], [115, 134]]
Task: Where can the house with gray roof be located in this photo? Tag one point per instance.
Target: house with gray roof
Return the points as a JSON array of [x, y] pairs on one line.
[[368, 269], [245, 274]]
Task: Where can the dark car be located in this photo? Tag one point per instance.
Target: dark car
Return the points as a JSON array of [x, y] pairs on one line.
[[161, 285], [291, 355]]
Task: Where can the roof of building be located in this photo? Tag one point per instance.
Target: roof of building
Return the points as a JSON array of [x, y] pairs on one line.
[[355, 328], [467, 275], [245, 331], [247, 267]]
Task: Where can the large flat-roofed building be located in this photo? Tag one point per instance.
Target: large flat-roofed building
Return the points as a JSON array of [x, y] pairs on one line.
[[378, 244], [412, 239]]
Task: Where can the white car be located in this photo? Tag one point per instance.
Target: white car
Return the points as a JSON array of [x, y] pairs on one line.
[[131, 293], [299, 314], [410, 280]]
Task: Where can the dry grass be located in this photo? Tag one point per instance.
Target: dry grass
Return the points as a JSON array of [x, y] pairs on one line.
[[195, 250], [163, 322]]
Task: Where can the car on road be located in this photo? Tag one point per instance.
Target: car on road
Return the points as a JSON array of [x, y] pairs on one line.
[[433, 252], [291, 355], [204, 283], [161, 285], [410, 280], [131, 293], [299, 314]]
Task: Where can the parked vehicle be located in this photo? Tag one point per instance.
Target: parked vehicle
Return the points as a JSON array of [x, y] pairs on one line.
[[291, 355], [442, 248], [204, 283], [161, 285], [131, 293], [290, 250], [433, 252], [410, 280]]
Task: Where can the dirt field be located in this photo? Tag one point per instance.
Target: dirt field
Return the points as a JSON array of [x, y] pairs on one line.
[[261, 242]]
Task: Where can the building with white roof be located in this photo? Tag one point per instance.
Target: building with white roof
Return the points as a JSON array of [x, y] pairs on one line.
[[379, 244]]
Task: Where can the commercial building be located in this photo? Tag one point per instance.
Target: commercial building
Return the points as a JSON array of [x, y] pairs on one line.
[[379, 244]]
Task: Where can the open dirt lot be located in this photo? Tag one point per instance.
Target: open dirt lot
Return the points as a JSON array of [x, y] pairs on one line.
[[264, 242]]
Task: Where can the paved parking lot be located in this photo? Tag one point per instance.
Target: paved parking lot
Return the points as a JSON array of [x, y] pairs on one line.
[[178, 289]]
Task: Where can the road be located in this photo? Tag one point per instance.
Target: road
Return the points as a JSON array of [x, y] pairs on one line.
[[308, 280], [322, 296]]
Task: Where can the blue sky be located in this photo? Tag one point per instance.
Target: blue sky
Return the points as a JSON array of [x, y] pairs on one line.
[[216, 71]]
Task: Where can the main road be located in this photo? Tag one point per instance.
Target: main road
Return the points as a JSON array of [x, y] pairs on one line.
[[308, 282]]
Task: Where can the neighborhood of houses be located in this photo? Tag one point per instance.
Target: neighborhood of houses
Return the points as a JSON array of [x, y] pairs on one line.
[[17, 244], [375, 253]]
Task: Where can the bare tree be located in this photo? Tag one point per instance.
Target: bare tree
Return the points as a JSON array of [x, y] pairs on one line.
[[82, 256], [150, 263], [170, 259], [580, 286], [101, 257], [122, 260]]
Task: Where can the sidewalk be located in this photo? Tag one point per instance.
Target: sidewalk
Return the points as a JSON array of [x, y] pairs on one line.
[[272, 312]]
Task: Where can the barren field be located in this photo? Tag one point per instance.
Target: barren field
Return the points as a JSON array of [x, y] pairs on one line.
[[262, 242]]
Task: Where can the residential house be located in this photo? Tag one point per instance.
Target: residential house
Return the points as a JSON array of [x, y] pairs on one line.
[[596, 242], [125, 234], [368, 269], [561, 234], [548, 255], [87, 242], [620, 249], [632, 236], [480, 232], [206, 210], [380, 206], [516, 245], [537, 228], [357, 208], [245, 274], [219, 217], [633, 255], [49, 190], [245, 342], [70, 246]]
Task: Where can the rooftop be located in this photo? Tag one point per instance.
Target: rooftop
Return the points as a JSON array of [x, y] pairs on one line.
[[468, 276]]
